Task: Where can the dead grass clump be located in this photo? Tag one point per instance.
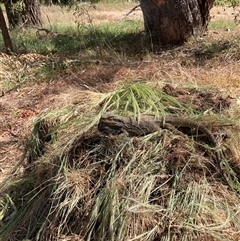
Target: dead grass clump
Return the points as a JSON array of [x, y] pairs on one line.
[[88, 186]]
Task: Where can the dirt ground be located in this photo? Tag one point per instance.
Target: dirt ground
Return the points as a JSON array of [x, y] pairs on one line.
[[20, 106]]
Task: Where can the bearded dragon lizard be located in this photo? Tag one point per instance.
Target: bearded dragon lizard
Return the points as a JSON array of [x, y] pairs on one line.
[[111, 123]]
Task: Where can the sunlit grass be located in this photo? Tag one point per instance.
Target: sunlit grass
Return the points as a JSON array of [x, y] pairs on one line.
[[222, 24], [120, 37]]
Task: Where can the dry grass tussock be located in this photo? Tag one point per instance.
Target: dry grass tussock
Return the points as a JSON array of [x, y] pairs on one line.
[[80, 184]]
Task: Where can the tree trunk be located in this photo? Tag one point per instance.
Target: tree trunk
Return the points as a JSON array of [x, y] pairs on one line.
[[173, 22], [49, 2], [12, 15], [27, 14], [32, 13], [5, 34]]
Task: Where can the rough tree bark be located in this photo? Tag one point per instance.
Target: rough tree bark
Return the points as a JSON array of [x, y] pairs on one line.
[[174, 21], [13, 16], [49, 2], [32, 14], [27, 14], [5, 34]]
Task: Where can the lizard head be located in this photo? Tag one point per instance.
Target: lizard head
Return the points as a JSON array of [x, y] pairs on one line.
[[110, 123]]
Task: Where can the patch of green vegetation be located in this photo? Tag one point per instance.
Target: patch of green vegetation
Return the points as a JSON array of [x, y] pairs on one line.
[[1, 42], [124, 38], [30, 41], [226, 2], [222, 24], [7, 85], [140, 98]]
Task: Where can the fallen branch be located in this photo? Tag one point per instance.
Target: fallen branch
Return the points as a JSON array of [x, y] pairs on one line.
[[125, 15]]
